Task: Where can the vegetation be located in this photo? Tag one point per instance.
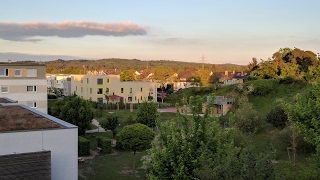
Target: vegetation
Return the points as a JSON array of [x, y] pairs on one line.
[[83, 146], [116, 65], [110, 123], [136, 137], [147, 114], [277, 117], [74, 110], [197, 149], [105, 144]]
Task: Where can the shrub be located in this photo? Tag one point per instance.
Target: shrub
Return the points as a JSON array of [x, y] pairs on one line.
[[52, 96], [83, 146], [247, 119], [262, 87], [285, 137], [104, 144], [277, 117]]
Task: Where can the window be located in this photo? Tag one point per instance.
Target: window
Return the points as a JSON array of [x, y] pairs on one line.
[[129, 99], [32, 104], [17, 72], [31, 72], [107, 90], [135, 98], [4, 89], [90, 90], [108, 80], [100, 100], [76, 88], [122, 90], [81, 80], [100, 81], [87, 80], [81, 89], [99, 90], [141, 98], [130, 90], [141, 89], [4, 72], [31, 88]]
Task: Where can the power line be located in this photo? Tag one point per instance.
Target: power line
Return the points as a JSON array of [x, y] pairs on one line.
[[202, 60]]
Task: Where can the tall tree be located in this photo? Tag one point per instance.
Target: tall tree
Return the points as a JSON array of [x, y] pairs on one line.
[[147, 113], [135, 137], [304, 59], [74, 110], [253, 65], [265, 71], [110, 122], [127, 75]]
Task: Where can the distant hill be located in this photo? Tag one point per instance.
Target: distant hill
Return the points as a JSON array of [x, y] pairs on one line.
[[81, 66]]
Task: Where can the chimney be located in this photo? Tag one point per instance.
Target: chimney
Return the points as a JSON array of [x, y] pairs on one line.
[[226, 73]]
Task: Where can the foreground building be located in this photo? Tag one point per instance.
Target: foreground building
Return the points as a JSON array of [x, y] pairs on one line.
[[24, 82], [96, 87], [34, 145]]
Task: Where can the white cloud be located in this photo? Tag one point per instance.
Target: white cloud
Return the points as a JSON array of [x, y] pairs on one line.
[[24, 31]]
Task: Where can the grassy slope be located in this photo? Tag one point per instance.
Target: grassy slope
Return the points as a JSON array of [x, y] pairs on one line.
[[262, 104]]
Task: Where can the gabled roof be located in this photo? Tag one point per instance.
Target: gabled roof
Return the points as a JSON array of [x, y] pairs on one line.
[[35, 165]]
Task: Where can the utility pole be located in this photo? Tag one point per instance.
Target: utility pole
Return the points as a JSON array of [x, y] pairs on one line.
[[202, 60]]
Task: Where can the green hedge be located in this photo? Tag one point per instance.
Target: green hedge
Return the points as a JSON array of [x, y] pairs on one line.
[[83, 146], [104, 144]]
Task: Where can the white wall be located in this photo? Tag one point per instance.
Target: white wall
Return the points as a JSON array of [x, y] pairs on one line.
[[63, 144], [18, 91]]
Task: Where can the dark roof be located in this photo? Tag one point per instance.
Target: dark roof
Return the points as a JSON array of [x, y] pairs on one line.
[[232, 75], [36, 165]]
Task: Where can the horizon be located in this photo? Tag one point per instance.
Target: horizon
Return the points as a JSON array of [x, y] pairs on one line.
[[224, 32]]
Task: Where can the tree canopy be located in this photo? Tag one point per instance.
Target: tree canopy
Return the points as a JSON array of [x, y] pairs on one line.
[[135, 137], [74, 110], [110, 122], [147, 113]]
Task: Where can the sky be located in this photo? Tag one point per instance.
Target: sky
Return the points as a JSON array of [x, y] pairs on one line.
[[223, 31]]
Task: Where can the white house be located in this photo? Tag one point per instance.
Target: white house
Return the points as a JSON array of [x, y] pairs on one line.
[[61, 82], [34, 144]]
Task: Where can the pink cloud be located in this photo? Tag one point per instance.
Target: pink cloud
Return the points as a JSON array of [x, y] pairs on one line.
[[24, 31]]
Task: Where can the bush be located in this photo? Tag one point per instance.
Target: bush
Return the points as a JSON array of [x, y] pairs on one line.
[[247, 119], [262, 87], [285, 137], [83, 146], [104, 144], [52, 96], [277, 117]]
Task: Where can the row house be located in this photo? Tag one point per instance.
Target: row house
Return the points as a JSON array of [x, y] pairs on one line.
[[97, 86]]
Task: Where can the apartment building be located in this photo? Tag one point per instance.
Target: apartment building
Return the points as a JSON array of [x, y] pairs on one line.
[[95, 87], [24, 82], [59, 82]]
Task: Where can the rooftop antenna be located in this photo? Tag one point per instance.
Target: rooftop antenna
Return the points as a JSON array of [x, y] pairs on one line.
[[202, 60]]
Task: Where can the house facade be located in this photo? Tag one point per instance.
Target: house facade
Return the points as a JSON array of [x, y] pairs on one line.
[[96, 87], [59, 82], [47, 146], [25, 83]]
